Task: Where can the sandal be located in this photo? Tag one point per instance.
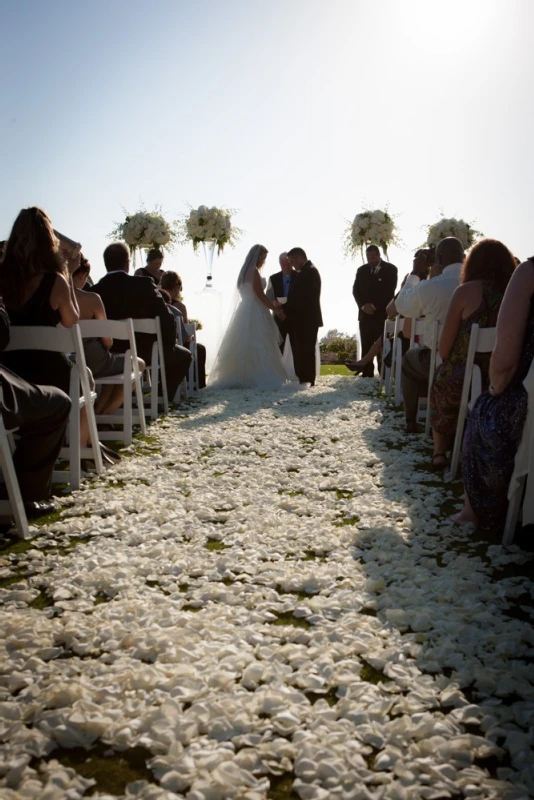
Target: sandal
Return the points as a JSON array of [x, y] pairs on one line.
[[441, 464]]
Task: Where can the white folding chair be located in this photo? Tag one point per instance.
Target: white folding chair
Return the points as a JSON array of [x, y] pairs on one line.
[[156, 366], [396, 360], [122, 329], [435, 361], [385, 372], [418, 330], [182, 389], [521, 489], [397, 327], [66, 340], [482, 340], [14, 505], [191, 330]]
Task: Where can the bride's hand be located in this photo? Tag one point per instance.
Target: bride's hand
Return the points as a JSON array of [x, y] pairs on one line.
[[277, 304]]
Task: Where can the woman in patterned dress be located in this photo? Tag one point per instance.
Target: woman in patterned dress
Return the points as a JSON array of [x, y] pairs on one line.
[[485, 275], [495, 425]]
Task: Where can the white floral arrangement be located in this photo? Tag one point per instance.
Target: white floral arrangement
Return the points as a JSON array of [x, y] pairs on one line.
[[146, 229], [213, 224], [452, 227], [370, 227]]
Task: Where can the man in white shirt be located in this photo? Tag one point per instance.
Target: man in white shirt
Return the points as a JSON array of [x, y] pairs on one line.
[[429, 299]]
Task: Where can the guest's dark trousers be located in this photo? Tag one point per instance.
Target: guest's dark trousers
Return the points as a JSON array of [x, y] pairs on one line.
[[415, 372], [303, 341], [201, 363], [40, 413], [371, 329], [177, 363]]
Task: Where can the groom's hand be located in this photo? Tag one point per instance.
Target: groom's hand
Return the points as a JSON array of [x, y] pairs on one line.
[[281, 315], [368, 308]]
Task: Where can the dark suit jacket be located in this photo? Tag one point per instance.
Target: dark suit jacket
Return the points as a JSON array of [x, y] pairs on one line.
[[376, 289], [303, 307], [277, 282], [126, 296]]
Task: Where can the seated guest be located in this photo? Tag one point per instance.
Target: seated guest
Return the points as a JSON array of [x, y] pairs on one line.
[[184, 336], [485, 276], [125, 296], [98, 356], [172, 283], [37, 289], [40, 414], [154, 260], [429, 299], [495, 425]]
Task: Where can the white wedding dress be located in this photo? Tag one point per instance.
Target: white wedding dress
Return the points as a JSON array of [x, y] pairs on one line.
[[249, 356]]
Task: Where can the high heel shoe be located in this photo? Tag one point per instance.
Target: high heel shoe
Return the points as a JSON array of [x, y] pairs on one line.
[[355, 366]]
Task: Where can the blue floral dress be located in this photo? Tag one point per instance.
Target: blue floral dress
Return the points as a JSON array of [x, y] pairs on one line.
[[491, 440]]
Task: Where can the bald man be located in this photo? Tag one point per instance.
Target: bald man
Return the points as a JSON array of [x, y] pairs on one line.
[[429, 299], [279, 285]]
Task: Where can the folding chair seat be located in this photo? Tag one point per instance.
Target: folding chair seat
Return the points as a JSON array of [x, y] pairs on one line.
[[66, 341], [156, 369], [120, 330]]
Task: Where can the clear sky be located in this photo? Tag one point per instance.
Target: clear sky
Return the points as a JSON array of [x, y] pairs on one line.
[[297, 113]]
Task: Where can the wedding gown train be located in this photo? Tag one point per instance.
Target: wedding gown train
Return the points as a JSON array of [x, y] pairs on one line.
[[249, 355]]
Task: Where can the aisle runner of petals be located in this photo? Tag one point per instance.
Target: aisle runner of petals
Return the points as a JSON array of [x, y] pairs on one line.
[[270, 604]]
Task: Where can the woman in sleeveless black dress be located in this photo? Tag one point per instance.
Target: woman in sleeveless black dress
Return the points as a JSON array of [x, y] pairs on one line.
[[37, 290]]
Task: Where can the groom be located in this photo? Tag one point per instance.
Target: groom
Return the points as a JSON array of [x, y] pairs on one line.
[[303, 312]]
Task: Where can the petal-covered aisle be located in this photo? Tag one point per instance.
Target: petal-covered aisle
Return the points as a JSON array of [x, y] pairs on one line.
[[267, 601]]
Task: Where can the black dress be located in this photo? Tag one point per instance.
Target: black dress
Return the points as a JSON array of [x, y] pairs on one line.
[[39, 366]]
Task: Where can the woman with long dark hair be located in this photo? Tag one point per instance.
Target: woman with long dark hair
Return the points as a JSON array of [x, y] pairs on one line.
[[36, 287], [485, 276]]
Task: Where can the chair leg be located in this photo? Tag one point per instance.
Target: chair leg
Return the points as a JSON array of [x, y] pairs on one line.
[[155, 390], [455, 459], [140, 405], [13, 491], [127, 433], [75, 467], [514, 506], [398, 368]]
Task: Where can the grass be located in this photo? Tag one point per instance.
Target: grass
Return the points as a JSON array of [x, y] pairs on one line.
[[335, 369], [288, 618], [282, 787], [371, 675], [111, 771], [214, 544]]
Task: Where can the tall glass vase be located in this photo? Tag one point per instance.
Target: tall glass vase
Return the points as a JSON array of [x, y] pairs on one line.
[[209, 253]]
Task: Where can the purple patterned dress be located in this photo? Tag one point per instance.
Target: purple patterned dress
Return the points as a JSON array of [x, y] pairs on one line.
[[492, 437], [446, 392]]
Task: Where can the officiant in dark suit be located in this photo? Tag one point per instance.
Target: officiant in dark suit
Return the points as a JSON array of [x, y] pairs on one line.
[[126, 296], [373, 288], [279, 286], [303, 312]]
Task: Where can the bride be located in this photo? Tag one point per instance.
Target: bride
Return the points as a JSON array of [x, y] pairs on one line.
[[249, 355]]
